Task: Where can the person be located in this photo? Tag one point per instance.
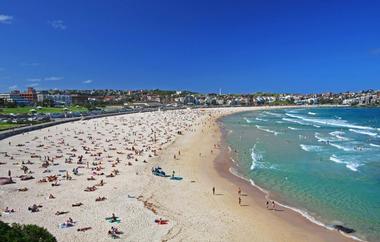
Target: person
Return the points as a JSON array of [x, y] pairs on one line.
[[113, 218], [7, 210], [239, 191], [273, 205], [267, 204], [239, 200], [213, 190]]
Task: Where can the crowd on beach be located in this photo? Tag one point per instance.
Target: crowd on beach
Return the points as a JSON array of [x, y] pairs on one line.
[[69, 169]]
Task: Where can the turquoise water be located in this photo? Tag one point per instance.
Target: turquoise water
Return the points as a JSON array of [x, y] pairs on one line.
[[324, 161]]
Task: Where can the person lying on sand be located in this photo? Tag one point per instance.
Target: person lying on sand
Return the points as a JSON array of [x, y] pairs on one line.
[[77, 204], [68, 223], [110, 175], [101, 183], [26, 177], [113, 218], [60, 213], [91, 178], [34, 208], [114, 232], [99, 199], [84, 229], [24, 189], [161, 221], [90, 189], [7, 210], [51, 196]]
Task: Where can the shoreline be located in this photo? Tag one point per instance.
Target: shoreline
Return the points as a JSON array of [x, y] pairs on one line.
[[234, 171], [197, 214], [137, 196]]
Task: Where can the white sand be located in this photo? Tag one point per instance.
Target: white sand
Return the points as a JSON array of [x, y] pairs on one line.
[[193, 213]]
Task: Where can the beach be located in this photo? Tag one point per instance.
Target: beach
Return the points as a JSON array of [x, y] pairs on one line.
[[111, 159]]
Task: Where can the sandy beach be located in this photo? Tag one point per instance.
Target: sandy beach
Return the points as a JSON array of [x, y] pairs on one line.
[[80, 173]]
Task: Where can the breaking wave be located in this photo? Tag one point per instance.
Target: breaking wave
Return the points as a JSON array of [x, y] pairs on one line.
[[329, 122], [311, 148], [267, 130]]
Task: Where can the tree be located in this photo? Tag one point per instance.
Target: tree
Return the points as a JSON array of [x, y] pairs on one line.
[[24, 233]]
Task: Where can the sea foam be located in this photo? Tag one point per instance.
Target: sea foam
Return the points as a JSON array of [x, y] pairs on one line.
[[311, 148], [363, 132], [341, 147], [261, 119], [329, 122], [339, 135], [248, 120], [256, 157], [353, 166], [267, 130]]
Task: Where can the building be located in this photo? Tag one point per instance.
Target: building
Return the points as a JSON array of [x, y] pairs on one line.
[[79, 99], [15, 97], [30, 95], [60, 100], [41, 96]]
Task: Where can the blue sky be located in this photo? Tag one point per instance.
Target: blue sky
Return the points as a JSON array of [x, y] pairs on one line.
[[239, 46]]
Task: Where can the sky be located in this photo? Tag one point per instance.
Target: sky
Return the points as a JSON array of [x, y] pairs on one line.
[[292, 46]]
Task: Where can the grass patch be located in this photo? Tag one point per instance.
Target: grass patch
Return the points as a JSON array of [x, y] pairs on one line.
[[5, 126], [25, 110]]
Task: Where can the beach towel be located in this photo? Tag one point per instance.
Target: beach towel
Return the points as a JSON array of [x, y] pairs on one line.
[[161, 222], [176, 178], [65, 225], [117, 221]]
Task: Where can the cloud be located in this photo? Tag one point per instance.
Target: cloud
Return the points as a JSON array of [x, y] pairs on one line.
[[88, 81], [13, 87], [34, 79], [5, 19], [58, 24], [53, 78], [33, 85]]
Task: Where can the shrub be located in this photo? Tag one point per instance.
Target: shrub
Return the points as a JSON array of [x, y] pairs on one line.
[[24, 233]]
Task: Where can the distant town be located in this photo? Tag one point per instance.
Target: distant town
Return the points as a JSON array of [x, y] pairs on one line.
[[92, 99]]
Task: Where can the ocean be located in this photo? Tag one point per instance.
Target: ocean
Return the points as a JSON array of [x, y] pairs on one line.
[[323, 162]]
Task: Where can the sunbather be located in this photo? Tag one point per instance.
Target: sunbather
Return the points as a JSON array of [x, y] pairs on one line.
[[77, 204]]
